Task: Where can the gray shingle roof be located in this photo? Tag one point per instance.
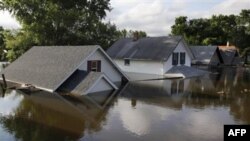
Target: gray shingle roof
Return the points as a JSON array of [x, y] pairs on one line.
[[187, 71], [228, 56], [149, 48], [80, 82], [47, 67], [203, 53]]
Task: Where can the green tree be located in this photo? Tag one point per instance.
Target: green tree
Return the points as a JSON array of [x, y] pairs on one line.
[[216, 30], [18, 42], [244, 20], [2, 45], [59, 22], [129, 34]]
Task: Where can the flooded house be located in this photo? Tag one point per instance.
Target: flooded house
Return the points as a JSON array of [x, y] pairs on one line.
[[206, 56], [230, 55], [78, 70], [153, 57]]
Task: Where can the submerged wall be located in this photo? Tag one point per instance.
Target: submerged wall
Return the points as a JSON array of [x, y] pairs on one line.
[[141, 66]]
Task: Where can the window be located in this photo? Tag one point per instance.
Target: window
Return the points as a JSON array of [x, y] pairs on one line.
[[126, 62], [175, 58], [182, 58], [94, 65]]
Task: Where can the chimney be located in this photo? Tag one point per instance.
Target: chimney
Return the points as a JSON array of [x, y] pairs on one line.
[[135, 36], [228, 44]]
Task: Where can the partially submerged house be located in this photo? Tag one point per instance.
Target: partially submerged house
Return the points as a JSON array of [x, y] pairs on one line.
[[152, 57], [206, 55], [230, 55], [73, 69]]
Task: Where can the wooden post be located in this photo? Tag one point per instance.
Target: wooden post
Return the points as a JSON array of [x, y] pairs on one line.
[[4, 82]]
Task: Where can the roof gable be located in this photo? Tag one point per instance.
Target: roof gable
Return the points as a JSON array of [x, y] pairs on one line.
[[149, 48], [81, 82], [47, 67], [203, 52], [228, 54]]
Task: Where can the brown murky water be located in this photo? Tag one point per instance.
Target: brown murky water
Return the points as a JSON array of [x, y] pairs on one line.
[[190, 109]]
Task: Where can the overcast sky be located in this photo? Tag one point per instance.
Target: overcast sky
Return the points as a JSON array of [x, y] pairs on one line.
[[156, 16]]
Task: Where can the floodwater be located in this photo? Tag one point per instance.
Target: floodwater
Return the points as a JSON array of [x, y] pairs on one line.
[[181, 110]]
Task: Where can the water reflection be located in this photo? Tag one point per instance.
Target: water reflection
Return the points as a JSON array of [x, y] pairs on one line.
[[183, 109], [193, 109], [46, 116]]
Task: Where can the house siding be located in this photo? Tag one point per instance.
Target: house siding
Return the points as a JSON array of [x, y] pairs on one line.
[[141, 66], [102, 85], [180, 48], [106, 67]]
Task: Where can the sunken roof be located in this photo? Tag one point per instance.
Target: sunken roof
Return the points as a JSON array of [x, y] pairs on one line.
[[148, 48], [186, 71], [228, 54], [203, 53], [80, 82], [47, 67]]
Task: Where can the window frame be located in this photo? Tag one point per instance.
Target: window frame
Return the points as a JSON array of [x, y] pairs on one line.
[[182, 58], [94, 65], [175, 58]]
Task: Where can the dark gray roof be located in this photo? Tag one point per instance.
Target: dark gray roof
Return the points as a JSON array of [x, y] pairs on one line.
[[228, 56], [80, 82], [203, 53], [47, 67], [187, 71], [148, 48]]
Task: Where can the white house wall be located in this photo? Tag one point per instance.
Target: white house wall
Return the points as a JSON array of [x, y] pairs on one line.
[[106, 67], [102, 85], [141, 66], [178, 49]]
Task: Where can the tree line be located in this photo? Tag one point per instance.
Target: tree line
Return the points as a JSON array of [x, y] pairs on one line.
[[60, 22], [81, 22], [217, 30]]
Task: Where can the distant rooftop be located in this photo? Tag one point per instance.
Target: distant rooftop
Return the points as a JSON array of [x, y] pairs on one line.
[[148, 48], [203, 53], [224, 48]]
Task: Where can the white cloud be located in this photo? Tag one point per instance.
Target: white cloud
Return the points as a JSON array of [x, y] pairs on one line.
[[141, 119], [10, 103], [156, 16], [231, 7], [7, 21]]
